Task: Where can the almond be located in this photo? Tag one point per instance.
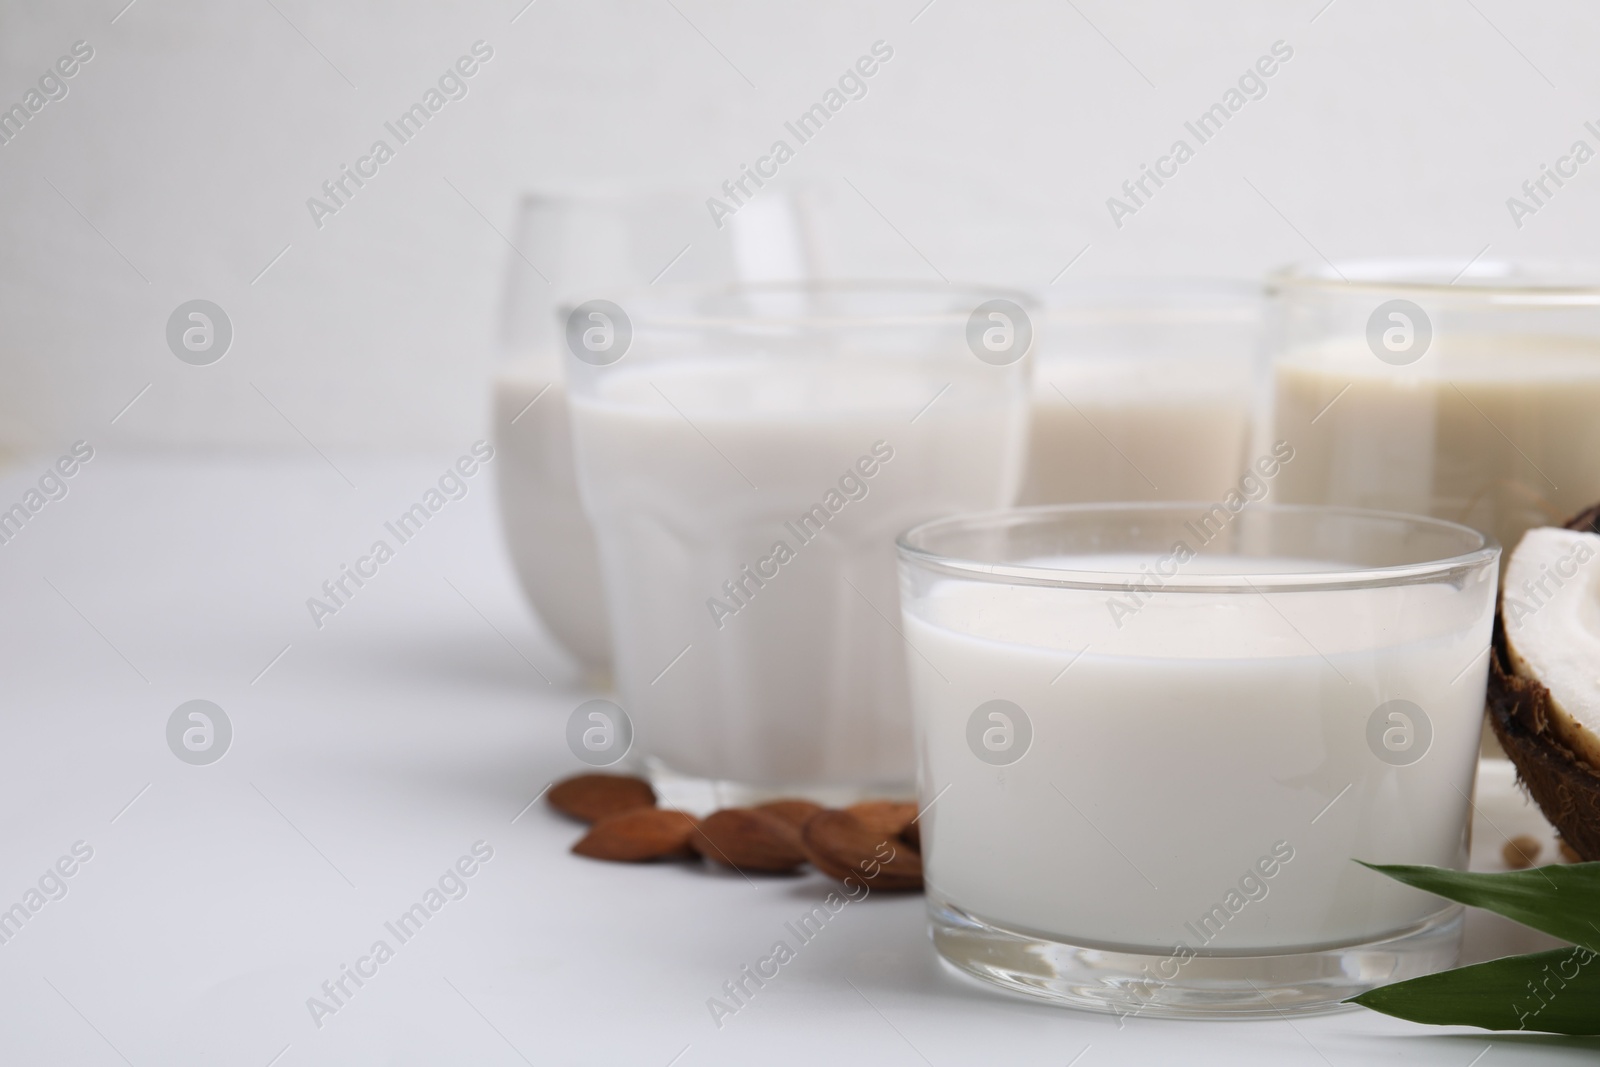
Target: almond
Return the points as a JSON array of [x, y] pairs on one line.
[[793, 812], [890, 818], [749, 839], [1521, 851], [592, 797], [886, 817], [638, 836], [840, 845]]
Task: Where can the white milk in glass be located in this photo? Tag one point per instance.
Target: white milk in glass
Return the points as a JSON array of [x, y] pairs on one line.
[[1137, 429], [549, 537], [746, 513], [595, 244], [1173, 755], [1499, 432], [1143, 391]]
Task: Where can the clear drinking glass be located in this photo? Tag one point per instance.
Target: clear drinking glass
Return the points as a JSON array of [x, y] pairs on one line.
[[1414, 386], [747, 455], [569, 244], [1143, 390], [1154, 739]]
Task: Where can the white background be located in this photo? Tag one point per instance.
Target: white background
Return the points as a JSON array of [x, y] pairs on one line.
[[990, 142]]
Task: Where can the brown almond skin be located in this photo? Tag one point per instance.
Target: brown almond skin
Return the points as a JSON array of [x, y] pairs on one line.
[[748, 839], [1521, 852], [886, 817], [841, 846], [794, 812], [592, 797], [638, 836]]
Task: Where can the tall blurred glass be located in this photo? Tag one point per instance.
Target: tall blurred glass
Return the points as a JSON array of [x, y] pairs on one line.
[[747, 460], [1414, 386], [1144, 390], [565, 245]]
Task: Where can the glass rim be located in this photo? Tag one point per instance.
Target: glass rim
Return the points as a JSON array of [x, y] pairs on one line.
[[1485, 550], [1522, 283], [671, 307], [1154, 299]]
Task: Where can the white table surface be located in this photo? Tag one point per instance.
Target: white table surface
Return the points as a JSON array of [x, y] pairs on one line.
[[372, 755]]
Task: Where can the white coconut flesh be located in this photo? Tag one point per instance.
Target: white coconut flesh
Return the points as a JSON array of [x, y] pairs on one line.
[[1551, 610]]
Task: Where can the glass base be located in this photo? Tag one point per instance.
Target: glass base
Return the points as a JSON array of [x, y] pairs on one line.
[[1131, 984], [701, 796]]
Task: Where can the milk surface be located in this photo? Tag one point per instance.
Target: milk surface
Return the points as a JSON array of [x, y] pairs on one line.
[[789, 672], [1501, 433], [551, 543], [1174, 753]]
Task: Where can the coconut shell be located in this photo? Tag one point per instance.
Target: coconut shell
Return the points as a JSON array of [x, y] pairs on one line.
[[1566, 788], [1586, 521]]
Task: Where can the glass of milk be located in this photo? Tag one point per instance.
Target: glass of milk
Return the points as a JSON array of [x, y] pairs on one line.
[[1144, 390], [1155, 739], [746, 456], [1470, 395], [563, 244]]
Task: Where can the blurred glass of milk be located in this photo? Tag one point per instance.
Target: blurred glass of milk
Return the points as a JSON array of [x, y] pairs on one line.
[[1144, 390], [582, 247]]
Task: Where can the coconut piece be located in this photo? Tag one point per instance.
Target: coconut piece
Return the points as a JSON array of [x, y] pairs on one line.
[[1549, 730], [1551, 613]]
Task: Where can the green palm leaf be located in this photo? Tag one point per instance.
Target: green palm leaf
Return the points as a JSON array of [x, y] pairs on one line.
[[1561, 900], [1555, 992]]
